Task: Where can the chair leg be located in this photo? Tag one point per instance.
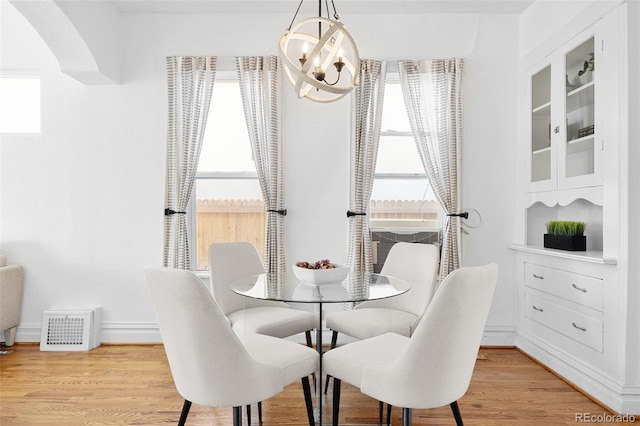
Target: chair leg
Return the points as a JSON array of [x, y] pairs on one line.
[[336, 400], [237, 416], [406, 416], [259, 413], [456, 413], [334, 339], [10, 336], [307, 334], [334, 342], [380, 411], [306, 389], [185, 412]]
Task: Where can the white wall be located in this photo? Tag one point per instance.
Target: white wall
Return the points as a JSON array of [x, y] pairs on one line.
[[488, 168], [82, 204], [546, 23], [543, 18]]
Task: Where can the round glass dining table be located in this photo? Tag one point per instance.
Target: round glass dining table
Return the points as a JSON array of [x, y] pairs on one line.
[[357, 287]]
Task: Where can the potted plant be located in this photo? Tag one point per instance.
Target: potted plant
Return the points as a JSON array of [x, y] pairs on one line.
[[566, 235]]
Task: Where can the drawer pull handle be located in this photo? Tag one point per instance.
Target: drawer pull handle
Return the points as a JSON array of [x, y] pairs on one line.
[[578, 327], [584, 290], [537, 309], [540, 277]]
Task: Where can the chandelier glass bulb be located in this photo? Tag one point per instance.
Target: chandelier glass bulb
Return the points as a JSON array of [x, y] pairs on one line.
[[321, 59]]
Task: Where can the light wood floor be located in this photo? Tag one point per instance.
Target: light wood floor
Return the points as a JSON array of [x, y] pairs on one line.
[[132, 385]]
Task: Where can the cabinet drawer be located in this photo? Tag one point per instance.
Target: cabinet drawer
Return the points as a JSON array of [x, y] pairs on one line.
[[581, 289], [580, 327]]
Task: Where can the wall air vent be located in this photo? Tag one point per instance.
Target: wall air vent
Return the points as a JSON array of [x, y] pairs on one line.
[[71, 329]]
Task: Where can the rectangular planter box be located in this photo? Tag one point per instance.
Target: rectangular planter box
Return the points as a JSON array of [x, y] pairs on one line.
[[565, 242]]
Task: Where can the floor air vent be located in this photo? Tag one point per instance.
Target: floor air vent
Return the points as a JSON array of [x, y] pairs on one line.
[[70, 329]]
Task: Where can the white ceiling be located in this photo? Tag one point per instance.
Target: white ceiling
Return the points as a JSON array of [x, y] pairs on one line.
[[311, 6]]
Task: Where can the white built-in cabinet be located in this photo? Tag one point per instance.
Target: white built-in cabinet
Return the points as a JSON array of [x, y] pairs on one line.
[[569, 155], [565, 142]]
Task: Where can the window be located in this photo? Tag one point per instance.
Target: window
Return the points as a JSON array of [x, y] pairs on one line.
[[227, 200], [401, 196], [19, 104]]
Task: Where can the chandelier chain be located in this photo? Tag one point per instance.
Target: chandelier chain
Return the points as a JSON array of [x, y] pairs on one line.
[[326, 2], [295, 14], [335, 11]]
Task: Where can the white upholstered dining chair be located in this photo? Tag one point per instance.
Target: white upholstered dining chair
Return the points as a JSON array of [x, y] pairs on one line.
[[414, 263], [229, 262], [433, 367], [213, 366]]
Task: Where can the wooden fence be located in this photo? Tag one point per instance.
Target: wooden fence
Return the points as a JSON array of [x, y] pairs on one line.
[[243, 220], [227, 221], [404, 209]]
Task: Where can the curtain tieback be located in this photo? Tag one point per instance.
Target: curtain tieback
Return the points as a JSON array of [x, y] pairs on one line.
[[169, 212], [281, 212], [351, 214], [464, 215]]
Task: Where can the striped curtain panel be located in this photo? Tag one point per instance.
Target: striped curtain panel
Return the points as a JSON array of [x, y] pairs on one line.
[[432, 92], [190, 83], [369, 96], [259, 79]]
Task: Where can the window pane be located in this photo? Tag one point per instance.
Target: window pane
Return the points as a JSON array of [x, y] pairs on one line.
[[231, 189], [398, 154], [226, 142], [401, 195], [228, 203], [401, 189], [396, 200], [19, 104], [227, 210], [394, 115]]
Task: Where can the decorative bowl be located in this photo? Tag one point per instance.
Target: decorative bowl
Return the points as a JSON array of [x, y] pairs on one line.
[[321, 276]]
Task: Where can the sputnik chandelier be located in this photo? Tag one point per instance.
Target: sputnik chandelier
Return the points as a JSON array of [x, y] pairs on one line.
[[320, 57]]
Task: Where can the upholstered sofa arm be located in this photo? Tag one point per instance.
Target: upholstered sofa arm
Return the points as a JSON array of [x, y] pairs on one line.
[[11, 282]]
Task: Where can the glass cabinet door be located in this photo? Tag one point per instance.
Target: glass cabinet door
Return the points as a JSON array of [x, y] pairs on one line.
[[579, 148], [542, 160]]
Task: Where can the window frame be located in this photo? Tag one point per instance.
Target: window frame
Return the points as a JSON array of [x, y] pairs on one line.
[[394, 78], [221, 76]]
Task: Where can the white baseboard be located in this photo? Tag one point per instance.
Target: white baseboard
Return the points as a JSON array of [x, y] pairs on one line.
[[147, 332], [499, 336], [620, 399], [27, 332], [138, 332], [141, 332]]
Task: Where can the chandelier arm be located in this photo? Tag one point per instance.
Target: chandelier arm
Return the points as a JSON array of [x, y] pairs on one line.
[[302, 76], [296, 14], [334, 83], [333, 29]]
